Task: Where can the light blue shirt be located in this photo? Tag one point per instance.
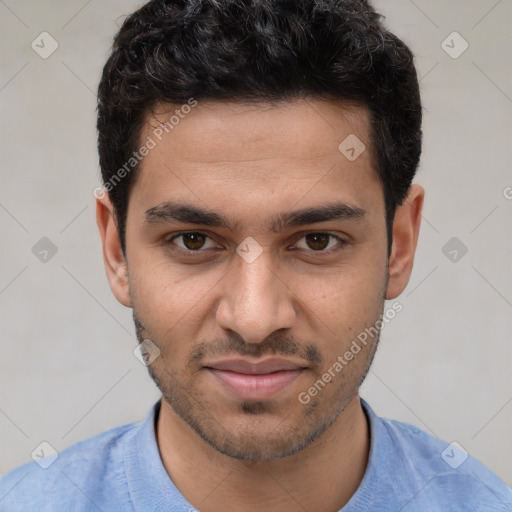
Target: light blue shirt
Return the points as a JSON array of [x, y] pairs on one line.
[[121, 471]]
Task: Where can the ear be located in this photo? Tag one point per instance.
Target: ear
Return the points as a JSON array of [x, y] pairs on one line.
[[113, 257], [406, 228]]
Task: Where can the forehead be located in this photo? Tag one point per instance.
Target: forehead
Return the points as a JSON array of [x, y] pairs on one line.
[[223, 150], [213, 130]]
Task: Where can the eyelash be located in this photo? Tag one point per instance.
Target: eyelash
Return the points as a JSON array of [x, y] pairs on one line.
[[189, 252]]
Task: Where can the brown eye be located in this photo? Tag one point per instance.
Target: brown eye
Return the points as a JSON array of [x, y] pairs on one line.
[[192, 241], [317, 241], [321, 242]]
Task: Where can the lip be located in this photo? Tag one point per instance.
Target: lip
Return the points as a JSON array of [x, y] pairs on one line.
[[256, 367], [258, 380]]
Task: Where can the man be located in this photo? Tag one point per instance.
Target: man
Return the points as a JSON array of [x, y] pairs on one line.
[[258, 209]]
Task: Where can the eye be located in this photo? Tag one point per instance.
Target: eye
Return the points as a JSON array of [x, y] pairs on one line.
[[196, 242], [319, 242], [193, 241]]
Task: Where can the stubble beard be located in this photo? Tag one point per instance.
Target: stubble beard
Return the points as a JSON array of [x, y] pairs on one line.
[[186, 402]]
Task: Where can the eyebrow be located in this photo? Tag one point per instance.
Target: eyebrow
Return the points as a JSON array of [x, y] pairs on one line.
[[168, 212]]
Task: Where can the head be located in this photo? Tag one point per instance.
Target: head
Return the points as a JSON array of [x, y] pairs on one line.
[[258, 171]]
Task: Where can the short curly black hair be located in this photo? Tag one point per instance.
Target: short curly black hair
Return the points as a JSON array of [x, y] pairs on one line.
[[259, 50]]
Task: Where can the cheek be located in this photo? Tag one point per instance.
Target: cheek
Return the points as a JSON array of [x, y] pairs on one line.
[[346, 296], [343, 306], [167, 299]]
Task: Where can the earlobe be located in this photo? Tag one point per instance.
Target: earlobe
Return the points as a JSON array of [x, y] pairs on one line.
[[406, 228], [113, 257]]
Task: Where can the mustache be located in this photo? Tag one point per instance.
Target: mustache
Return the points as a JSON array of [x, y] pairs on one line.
[[275, 344], [272, 345]]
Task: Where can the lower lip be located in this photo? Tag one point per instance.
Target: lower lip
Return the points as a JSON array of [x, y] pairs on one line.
[[255, 387]]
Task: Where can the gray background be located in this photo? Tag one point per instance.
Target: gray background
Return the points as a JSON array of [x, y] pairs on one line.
[[67, 367]]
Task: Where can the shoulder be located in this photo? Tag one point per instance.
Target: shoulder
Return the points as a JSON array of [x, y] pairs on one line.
[[442, 473], [73, 478]]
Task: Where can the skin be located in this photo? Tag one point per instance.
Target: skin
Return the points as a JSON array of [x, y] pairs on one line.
[[252, 162]]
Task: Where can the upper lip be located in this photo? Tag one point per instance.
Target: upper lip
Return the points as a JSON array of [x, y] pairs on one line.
[[255, 367]]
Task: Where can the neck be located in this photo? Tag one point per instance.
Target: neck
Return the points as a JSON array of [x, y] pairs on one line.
[[211, 481]]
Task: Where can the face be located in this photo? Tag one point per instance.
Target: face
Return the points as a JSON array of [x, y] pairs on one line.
[[256, 254]]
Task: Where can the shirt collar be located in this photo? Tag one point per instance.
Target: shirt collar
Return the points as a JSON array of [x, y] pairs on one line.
[[150, 487]]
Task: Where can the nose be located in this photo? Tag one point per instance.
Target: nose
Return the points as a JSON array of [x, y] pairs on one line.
[[256, 300]]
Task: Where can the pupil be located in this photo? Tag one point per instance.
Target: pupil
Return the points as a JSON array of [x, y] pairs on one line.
[[322, 237], [196, 244], [319, 241]]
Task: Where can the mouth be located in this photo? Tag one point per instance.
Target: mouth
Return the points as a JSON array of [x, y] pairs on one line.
[[255, 380]]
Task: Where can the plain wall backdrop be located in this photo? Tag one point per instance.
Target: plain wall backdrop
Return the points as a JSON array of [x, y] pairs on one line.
[[67, 366]]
